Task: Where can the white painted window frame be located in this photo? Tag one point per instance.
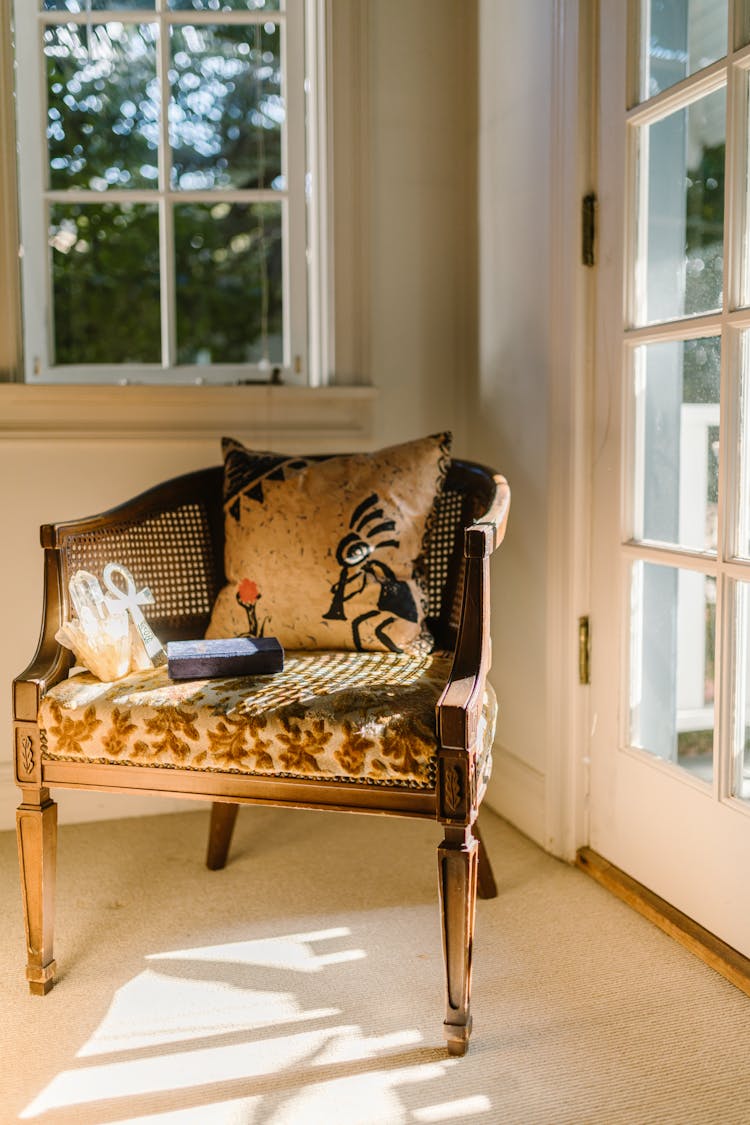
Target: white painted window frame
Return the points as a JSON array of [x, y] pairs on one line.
[[306, 204]]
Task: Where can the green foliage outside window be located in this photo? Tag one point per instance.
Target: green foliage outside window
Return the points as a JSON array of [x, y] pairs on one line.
[[104, 135]]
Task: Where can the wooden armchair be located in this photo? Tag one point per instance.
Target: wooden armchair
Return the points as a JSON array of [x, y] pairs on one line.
[[171, 538]]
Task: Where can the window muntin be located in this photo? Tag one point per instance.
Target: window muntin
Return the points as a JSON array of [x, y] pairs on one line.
[[206, 202]]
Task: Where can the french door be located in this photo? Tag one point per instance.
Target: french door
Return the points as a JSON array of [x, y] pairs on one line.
[[670, 692]]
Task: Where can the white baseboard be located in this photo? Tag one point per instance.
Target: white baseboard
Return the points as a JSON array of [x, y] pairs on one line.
[[77, 806], [516, 792]]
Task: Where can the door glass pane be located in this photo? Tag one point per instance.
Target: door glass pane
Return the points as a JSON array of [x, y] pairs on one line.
[[673, 622], [98, 5], [225, 5], [676, 461], [226, 112], [744, 198], [742, 548], [102, 106], [741, 770], [679, 38], [105, 272], [680, 258], [229, 283], [742, 22]]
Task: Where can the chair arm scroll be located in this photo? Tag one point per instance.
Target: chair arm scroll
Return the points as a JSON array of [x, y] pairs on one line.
[[50, 665], [487, 533], [51, 662]]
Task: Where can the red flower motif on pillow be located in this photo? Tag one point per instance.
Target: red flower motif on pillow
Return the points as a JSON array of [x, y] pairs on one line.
[[247, 595], [247, 592]]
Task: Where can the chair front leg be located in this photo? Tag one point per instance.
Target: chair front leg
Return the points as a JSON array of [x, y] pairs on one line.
[[457, 881], [36, 826]]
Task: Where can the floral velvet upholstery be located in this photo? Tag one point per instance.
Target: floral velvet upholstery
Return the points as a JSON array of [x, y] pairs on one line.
[[365, 717]]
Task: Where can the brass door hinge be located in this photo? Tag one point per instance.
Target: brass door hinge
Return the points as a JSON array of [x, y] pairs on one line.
[[588, 229], [584, 651]]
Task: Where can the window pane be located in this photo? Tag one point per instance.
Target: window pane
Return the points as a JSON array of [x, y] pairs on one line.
[[98, 5], [741, 771], [676, 456], [673, 623], [744, 196], [225, 5], [229, 283], [681, 37], [680, 253], [103, 106], [226, 111], [105, 283], [742, 546], [742, 22]]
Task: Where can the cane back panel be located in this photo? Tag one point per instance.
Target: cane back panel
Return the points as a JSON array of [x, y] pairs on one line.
[[170, 538]]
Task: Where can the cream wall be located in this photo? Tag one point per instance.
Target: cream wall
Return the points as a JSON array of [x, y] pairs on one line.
[[423, 235], [508, 401], [413, 209]]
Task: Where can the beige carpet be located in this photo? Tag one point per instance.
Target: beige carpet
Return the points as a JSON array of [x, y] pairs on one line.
[[303, 985]]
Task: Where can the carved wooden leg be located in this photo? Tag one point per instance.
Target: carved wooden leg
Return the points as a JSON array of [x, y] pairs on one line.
[[486, 886], [457, 875], [36, 825], [223, 817]]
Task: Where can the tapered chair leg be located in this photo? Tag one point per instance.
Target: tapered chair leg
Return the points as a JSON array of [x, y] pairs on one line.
[[486, 886], [457, 881], [223, 816], [36, 826]]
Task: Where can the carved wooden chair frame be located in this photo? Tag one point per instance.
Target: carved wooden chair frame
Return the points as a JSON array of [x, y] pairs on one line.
[[188, 509]]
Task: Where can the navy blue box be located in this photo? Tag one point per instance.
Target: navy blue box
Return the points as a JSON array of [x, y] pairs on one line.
[[231, 656]]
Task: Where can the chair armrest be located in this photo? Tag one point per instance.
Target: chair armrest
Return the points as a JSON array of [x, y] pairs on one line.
[[488, 531], [51, 661], [48, 667], [460, 706]]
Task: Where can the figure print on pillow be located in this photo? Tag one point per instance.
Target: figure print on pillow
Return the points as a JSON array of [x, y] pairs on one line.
[[328, 552], [356, 556]]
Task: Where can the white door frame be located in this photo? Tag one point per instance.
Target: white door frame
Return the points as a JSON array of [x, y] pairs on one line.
[[573, 164]]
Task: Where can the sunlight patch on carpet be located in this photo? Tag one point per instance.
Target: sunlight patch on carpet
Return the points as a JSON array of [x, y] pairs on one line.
[[189, 1034], [457, 1110], [292, 951], [154, 1009]]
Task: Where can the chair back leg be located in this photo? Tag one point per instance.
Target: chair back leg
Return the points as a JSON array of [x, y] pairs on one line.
[[223, 816], [36, 827], [457, 883], [486, 886]]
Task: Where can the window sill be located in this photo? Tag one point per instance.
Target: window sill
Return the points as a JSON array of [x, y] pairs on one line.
[[340, 416]]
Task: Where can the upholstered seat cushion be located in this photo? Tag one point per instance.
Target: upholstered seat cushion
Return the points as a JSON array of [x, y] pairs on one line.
[[354, 716]]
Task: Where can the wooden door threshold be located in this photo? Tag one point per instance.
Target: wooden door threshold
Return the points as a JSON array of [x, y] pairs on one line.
[[710, 949]]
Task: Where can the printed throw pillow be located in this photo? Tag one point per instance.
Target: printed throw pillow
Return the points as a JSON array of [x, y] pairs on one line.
[[329, 553]]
